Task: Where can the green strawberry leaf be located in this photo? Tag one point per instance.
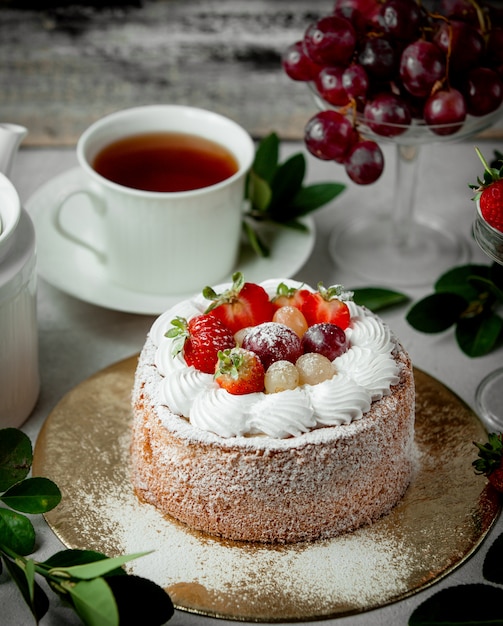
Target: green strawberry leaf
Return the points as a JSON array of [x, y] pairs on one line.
[[16, 456], [32, 495], [376, 298], [436, 312], [492, 569], [16, 532], [479, 335], [474, 604]]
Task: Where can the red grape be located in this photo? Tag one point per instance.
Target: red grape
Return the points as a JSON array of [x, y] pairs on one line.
[[446, 106], [296, 63], [365, 162], [422, 64], [329, 135], [387, 115], [330, 41], [326, 339], [465, 42], [378, 56], [400, 19], [355, 81], [459, 9], [483, 91], [330, 86], [273, 342], [362, 12]]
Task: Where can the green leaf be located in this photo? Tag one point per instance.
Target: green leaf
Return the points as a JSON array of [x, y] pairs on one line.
[[296, 225], [95, 568], [29, 572], [478, 335], [437, 312], [266, 157], [457, 280], [496, 275], [16, 532], [127, 590], [286, 183], [312, 197], [33, 495], [31, 591], [16, 456], [376, 298], [463, 605], [94, 602], [492, 569], [70, 558], [259, 192], [258, 246], [486, 285]]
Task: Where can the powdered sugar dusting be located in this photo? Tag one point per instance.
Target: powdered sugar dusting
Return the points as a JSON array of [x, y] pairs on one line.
[[356, 570]]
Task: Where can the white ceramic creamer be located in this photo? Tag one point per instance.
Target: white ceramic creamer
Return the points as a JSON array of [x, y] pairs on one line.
[[19, 370]]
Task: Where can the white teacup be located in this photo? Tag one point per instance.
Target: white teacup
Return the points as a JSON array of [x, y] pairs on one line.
[[162, 242]]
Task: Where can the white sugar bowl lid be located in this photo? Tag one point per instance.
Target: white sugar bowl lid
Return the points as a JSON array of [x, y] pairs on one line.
[[10, 213]]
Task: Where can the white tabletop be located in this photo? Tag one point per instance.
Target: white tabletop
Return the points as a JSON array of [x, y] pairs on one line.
[[78, 339]]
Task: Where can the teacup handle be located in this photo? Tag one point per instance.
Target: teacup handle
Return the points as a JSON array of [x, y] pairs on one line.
[[97, 203]]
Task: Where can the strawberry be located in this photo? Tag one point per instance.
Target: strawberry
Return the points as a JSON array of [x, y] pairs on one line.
[[490, 192], [243, 304], [201, 339], [326, 306], [490, 461], [239, 371], [291, 296]]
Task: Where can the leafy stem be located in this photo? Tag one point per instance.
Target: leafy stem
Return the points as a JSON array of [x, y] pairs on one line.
[[92, 584], [467, 298], [276, 194]]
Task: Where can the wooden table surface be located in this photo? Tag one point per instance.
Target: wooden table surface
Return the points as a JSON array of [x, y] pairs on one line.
[[65, 64], [62, 67]]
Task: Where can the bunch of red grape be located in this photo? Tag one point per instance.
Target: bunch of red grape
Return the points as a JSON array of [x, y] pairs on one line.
[[388, 64]]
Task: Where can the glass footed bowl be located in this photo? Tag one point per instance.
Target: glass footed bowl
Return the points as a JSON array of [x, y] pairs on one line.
[[397, 247]]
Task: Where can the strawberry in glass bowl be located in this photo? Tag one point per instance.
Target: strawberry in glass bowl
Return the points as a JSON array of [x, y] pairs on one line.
[[488, 226], [410, 73], [488, 233]]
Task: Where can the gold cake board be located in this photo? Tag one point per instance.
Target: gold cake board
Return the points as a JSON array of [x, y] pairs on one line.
[[444, 516]]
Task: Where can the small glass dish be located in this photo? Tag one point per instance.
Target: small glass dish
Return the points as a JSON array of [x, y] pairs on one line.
[[488, 238]]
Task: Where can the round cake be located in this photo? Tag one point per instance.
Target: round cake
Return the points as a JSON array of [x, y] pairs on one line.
[[299, 464]]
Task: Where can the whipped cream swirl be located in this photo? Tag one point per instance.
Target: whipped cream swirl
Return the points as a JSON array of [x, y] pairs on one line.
[[364, 373]]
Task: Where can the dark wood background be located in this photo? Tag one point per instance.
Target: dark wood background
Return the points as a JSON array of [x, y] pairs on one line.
[[65, 64]]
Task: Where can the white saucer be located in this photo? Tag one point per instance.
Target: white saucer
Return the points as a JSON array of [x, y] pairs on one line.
[[78, 272]]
